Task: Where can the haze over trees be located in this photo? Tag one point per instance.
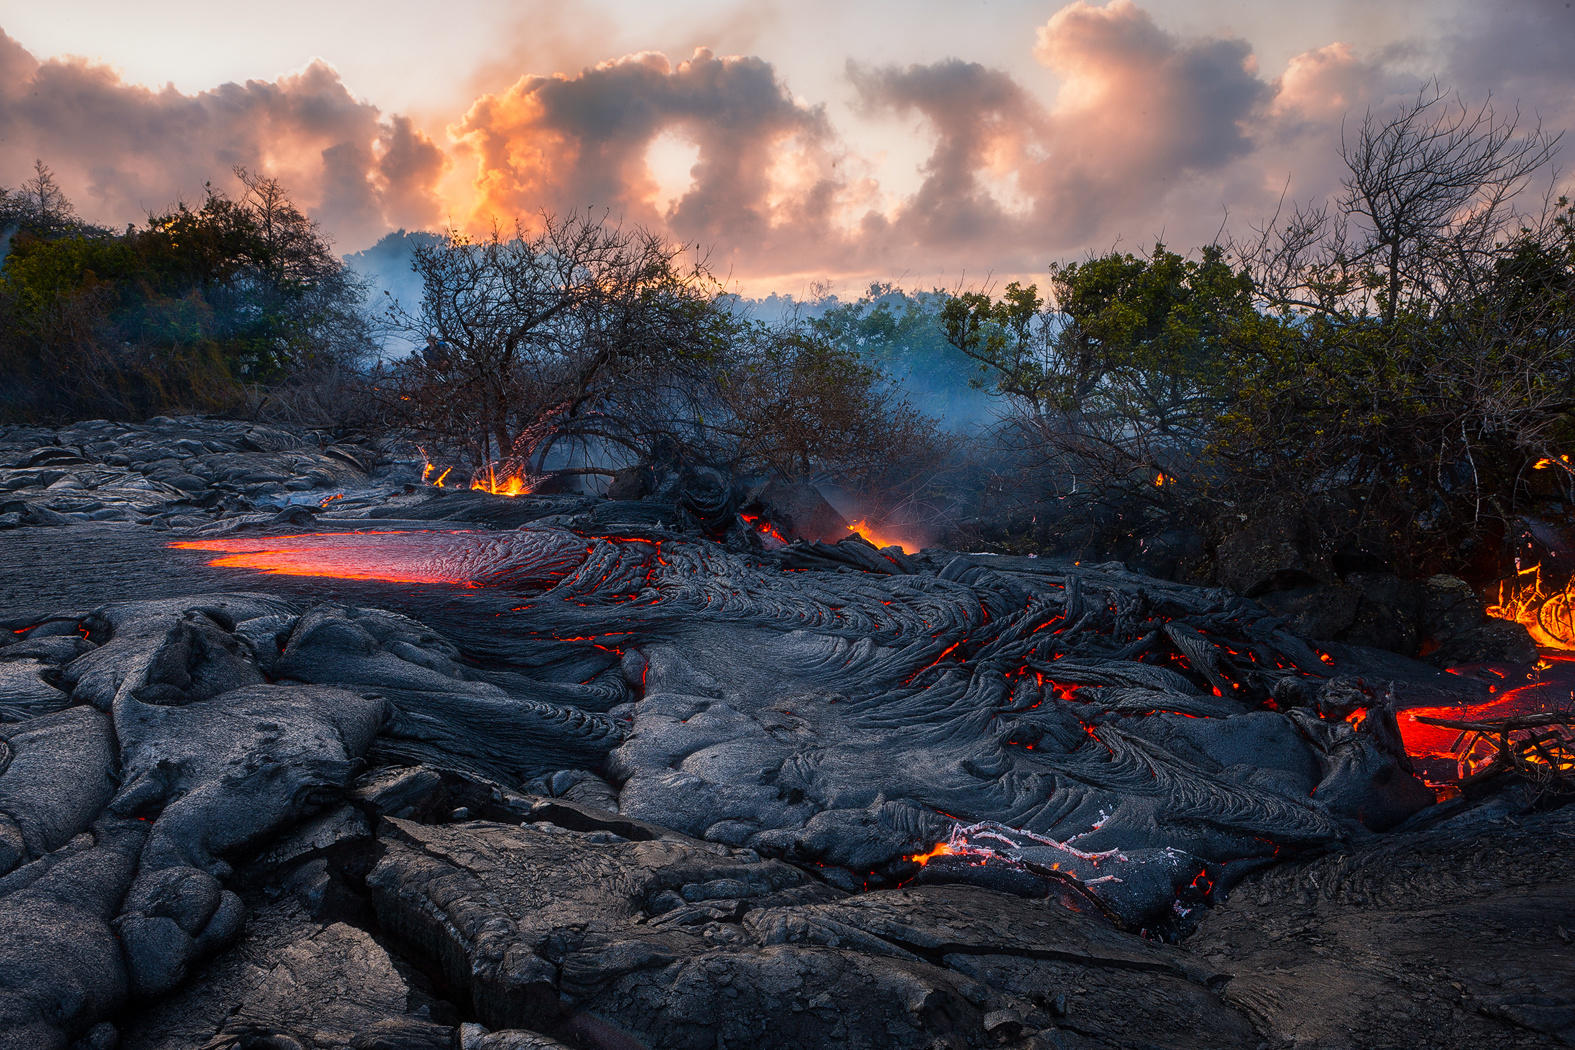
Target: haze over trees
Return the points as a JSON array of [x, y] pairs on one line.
[[1390, 371], [588, 346]]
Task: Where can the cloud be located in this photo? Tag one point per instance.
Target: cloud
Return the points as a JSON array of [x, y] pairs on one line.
[[1122, 131], [983, 123], [1520, 52], [561, 143], [121, 150], [1136, 113]]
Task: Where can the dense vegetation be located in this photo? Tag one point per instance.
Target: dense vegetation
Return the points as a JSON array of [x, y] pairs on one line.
[[201, 308], [1388, 382]]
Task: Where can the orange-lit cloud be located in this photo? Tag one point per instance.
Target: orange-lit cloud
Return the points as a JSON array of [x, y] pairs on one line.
[[1105, 125], [561, 143], [121, 150], [1135, 113]]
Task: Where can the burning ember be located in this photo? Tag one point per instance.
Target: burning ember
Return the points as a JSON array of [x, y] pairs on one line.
[[427, 467], [881, 539], [500, 480], [507, 483]]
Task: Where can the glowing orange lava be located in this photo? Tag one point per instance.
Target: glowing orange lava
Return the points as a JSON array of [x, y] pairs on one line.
[[1550, 617], [1444, 754], [880, 539], [393, 557], [941, 849]]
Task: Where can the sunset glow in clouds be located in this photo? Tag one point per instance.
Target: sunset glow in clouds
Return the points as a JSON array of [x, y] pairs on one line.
[[916, 142]]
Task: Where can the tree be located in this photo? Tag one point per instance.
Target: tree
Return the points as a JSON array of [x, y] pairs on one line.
[[201, 309], [281, 303], [569, 335], [1432, 186], [793, 404], [1433, 342], [1115, 383], [900, 333], [38, 207]]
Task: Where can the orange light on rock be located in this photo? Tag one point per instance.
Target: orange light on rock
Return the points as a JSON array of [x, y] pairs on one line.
[[881, 539]]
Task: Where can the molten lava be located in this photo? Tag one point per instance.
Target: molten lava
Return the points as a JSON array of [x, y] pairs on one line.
[[881, 538], [940, 849], [1447, 754], [1550, 617], [393, 557], [508, 483]]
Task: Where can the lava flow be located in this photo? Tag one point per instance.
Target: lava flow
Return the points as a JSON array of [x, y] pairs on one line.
[[1527, 725], [392, 557]]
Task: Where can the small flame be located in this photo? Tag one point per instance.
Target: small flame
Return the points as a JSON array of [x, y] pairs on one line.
[[507, 483]]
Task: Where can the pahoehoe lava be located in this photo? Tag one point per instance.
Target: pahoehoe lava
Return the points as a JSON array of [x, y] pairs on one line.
[[442, 770]]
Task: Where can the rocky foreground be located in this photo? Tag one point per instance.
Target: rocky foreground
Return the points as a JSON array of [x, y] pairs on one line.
[[415, 768]]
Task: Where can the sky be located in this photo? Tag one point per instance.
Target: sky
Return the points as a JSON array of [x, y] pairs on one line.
[[801, 144]]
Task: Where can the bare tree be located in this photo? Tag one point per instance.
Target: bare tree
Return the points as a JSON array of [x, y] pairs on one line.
[[546, 338], [40, 207], [1427, 203], [1434, 185]]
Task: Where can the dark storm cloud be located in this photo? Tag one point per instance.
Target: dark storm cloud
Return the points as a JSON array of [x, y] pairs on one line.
[[122, 150]]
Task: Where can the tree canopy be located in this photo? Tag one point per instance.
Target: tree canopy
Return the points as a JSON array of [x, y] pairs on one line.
[[197, 309], [1389, 371]]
